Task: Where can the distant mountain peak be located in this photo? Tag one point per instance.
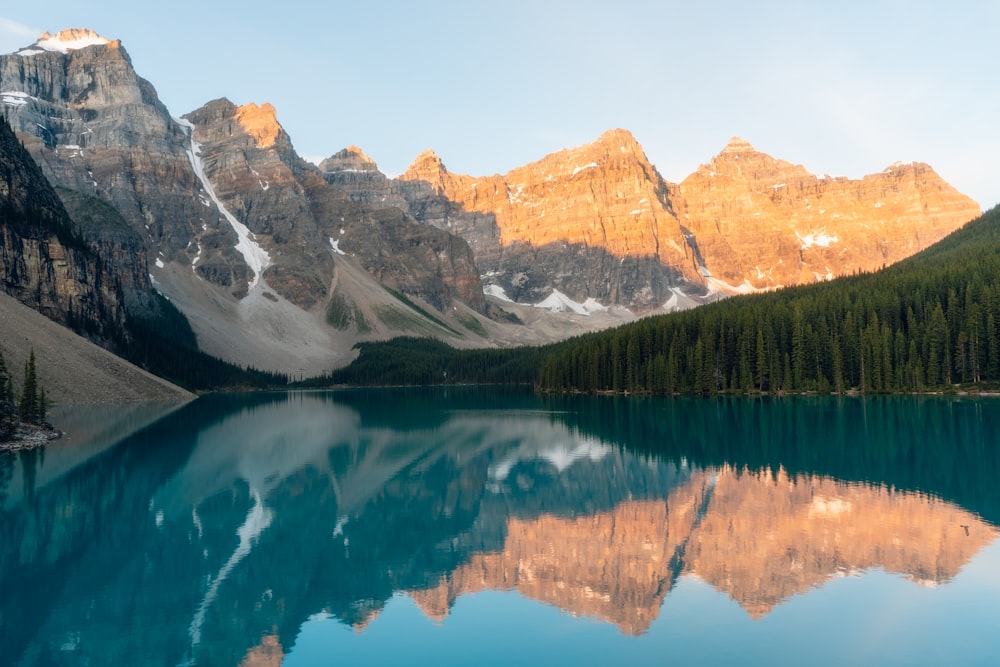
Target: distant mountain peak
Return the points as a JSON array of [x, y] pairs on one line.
[[625, 139], [260, 122], [425, 166], [65, 41], [609, 148], [741, 160], [428, 156], [738, 145], [351, 158]]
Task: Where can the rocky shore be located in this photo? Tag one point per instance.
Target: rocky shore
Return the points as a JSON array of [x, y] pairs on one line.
[[30, 436]]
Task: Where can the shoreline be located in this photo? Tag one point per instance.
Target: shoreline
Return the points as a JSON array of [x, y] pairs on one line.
[[29, 437]]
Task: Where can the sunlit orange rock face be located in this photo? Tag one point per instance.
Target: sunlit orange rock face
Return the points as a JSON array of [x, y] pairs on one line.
[[268, 653], [743, 221], [759, 538], [764, 223], [606, 194], [260, 122]]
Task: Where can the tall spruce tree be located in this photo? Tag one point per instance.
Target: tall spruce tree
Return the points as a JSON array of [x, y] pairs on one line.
[[28, 407], [43, 405], [8, 411], [4, 377]]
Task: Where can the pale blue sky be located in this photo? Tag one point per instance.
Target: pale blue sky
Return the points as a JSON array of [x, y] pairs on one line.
[[843, 88]]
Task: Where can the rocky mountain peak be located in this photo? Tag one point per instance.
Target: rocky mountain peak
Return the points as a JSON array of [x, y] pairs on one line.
[[260, 122], [740, 160], [617, 139], [739, 145], [428, 161], [216, 109], [93, 125], [614, 147], [899, 168], [763, 223], [582, 210], [65, 41], [351, 158], [429, 168]]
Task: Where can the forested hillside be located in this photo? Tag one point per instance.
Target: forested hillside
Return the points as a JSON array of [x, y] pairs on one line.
[[425, 361], [926, 323]]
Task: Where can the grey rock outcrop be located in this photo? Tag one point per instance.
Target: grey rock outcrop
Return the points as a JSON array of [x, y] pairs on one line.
[[97, 128], [305, 222], [44, 262]]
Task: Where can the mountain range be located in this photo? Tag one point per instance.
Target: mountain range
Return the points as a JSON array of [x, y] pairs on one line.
[[284, 265]]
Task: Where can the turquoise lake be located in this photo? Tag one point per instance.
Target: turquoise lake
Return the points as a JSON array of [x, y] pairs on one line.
[[472, 526]]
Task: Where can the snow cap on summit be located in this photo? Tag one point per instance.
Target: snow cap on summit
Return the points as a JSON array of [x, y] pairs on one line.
[[65, 41]]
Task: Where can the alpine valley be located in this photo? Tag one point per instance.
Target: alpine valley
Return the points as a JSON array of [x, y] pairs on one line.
[[284, 265]]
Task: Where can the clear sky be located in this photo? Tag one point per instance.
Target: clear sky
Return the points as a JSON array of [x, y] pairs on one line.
[[844, 88]]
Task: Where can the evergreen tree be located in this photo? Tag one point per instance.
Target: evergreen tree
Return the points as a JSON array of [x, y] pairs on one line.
[[4, 381], [43, 405], [761, 365], [28, 407], [8, 411]]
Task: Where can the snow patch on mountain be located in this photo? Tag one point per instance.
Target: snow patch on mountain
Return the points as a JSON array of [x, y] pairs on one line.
[[557, 302], [15, 98], [335, 244], [592, 305], [819, 239], [497, 292], [674, 302], [253, 254], [717, 287]]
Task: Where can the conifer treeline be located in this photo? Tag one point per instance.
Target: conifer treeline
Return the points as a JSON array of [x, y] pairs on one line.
[[9, 417], [929, 322], [925, 323], [32, 405], [424, 361]]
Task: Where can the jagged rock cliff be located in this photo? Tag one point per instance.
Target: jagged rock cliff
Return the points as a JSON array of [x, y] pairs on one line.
[[305, 223], [221, 190], [97, 128], [762, 223], [120, 249], [591, 222], [357, 175], [248, 160], [599, 221], [44, 262]]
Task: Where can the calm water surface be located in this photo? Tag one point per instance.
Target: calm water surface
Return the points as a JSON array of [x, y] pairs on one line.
[[478, 527]]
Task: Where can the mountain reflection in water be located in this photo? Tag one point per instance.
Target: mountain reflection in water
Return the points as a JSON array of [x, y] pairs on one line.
[[211, 536]]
